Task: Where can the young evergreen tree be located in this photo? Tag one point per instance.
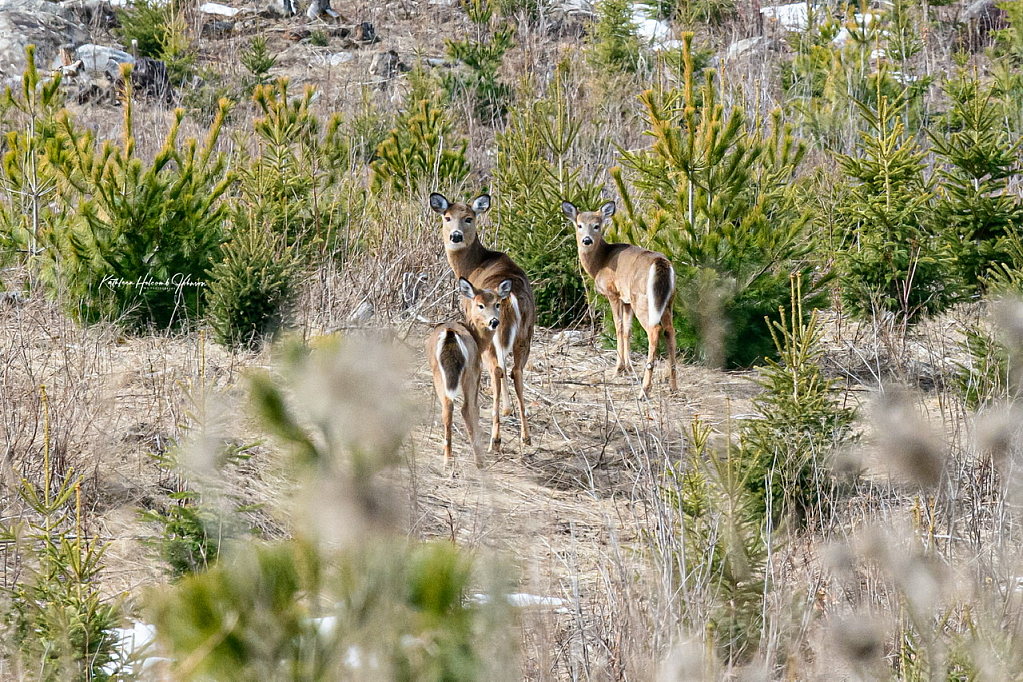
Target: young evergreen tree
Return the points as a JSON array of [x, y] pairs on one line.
[[144, 234], [978, 160], [533, 177], [897, 261], [29, 216], [717, 195], [614, 43], [789, 449], [482, 56], [423, 149]]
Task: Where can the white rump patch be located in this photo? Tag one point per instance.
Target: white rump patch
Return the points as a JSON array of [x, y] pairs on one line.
[[440, 365], [657, 311]]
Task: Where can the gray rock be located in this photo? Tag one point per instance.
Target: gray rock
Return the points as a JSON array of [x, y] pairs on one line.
[[216, 29], [149, 79], [366, 33], [320, 8], [750, 47], [985, 14], [44, 24], [97, 13], [103, 59], [386, 64], [281, 8]]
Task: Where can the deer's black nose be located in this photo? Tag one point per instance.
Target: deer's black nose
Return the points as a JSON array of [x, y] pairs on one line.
[[587, 241], [456, 237], [494, 322]]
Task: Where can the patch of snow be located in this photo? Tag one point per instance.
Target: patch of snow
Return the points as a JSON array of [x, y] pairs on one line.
[[522, 600], [338, 58], [653, 31], [128, 641], [569, 337], [792, 17], [218, 9]]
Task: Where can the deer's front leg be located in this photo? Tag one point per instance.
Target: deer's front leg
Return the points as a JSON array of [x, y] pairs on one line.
[[626, 314], [496, 380], [616, 316], [471, 416]]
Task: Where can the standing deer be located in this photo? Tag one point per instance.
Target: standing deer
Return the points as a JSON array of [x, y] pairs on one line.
[[633, 280], [486, 269], [454, 352]]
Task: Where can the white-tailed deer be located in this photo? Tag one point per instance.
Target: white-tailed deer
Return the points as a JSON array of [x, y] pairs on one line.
[[634, 280], [486, 269], [454, 351]]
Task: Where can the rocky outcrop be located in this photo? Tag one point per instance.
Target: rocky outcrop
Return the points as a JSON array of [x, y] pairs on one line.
[[751, 47], [46, 25]]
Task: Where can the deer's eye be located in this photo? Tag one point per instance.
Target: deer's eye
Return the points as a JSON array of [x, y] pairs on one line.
[[468, 221], [481, 306], [447, 219], [497, 306]]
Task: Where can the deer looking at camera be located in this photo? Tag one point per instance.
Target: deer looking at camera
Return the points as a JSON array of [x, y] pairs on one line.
[[634, 280], [487, 269], [454, 352]]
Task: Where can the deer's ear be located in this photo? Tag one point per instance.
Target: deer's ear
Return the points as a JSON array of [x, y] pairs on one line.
[[569, 209], [481, 204], [438, 203], [466, 288], [504, 289], [607, 210]]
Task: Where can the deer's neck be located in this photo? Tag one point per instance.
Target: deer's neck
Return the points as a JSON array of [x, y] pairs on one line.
[[481, 335], [595, 259], [464, 261]]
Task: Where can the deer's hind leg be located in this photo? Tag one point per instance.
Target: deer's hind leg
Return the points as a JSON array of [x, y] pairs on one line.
[[496, 381], [447, 410], [653, 337], [668, 322], [520, 393]]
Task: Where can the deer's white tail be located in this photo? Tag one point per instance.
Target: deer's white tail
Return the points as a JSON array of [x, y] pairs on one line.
[[452, 358], [660, 287]]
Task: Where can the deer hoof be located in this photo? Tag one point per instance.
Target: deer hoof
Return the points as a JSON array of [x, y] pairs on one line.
[[495, 445]]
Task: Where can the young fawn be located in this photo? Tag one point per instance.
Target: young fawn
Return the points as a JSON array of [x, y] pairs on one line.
[[486, 269], [454, 352], [634, 280]]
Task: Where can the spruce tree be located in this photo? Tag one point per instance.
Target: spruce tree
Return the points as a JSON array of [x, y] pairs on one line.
[[896, 261], [978, 160], [423, 149], [717, 195], [482, 56], [29, 216], [533, 177], [144, 234], [614, 44]]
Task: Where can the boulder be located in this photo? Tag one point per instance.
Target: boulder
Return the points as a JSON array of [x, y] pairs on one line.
[[149, 79], [366, 33], [94, 13], [44, 24], [103, 59], [321, 8], [750, 47], [217, 29], [386, 64], [985, 15]]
